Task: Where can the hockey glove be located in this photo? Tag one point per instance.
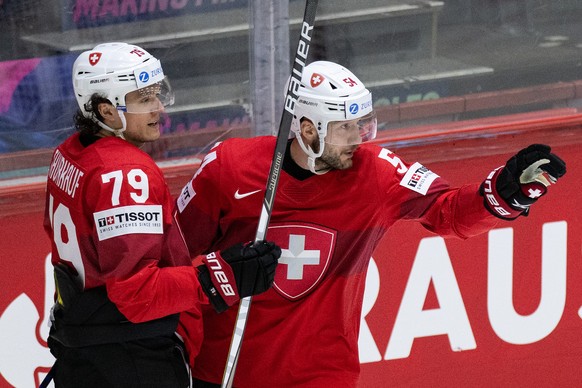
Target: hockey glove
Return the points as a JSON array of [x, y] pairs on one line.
[[510, 190], [238, 272]]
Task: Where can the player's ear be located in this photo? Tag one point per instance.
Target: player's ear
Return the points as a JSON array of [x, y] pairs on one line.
[[308, 130], [108, 112]]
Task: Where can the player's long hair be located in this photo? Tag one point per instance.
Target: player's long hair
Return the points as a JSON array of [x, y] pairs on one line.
[[86, 124]]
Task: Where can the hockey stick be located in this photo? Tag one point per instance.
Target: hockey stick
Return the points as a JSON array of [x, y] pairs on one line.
[[49, 376], [273, 179]]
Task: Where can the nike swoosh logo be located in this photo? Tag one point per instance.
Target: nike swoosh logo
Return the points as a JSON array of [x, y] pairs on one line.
[[237, 195]]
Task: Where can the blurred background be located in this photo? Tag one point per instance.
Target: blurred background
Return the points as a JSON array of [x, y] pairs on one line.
[[425, 62]]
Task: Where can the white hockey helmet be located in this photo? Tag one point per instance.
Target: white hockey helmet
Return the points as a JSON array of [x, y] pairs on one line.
[[115, 69], [329, 92]]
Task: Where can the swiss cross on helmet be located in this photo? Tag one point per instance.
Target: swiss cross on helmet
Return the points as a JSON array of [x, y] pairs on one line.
[[329, 92], [94, 58]]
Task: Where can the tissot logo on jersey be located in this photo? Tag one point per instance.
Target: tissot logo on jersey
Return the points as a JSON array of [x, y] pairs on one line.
[[185, 196], [144, 219], [418, 178], [126, 217]]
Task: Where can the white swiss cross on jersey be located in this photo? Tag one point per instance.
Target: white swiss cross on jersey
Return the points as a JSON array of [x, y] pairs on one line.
[[306, 251]]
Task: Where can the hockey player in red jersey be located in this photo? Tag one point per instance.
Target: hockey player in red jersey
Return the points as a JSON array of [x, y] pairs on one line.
[[336, 199], [122, 269]]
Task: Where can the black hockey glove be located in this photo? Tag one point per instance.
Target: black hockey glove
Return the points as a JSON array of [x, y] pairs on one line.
[[510, 190], [238, 272]]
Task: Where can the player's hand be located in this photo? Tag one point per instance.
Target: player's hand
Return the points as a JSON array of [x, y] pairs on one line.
[[238, 272], [510, 190]]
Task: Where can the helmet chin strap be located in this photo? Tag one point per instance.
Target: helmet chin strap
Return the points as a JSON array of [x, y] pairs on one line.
[[116, 132], [312, 156], [311, 164]]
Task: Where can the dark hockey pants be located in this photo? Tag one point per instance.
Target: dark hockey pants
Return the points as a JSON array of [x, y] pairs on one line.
[[152, 362]]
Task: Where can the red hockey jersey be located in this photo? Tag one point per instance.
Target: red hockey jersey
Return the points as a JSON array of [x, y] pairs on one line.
[[304, 331], [109, 217]]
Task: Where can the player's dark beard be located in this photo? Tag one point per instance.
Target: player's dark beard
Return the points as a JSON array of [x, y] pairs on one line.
[[327, 160], [315, 145]]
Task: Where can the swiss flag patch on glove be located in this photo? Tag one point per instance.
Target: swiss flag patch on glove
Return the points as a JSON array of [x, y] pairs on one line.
[[518, 203], [510, 190]]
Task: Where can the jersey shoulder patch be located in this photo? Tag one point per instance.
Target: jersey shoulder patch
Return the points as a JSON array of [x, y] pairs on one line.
[[135, 219], [418, 178]]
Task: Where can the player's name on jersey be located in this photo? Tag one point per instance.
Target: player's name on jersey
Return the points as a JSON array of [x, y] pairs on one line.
[[65, 175]]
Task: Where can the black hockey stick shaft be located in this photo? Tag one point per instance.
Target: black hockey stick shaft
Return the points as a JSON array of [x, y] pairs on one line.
[[49, 376], [273, 179]]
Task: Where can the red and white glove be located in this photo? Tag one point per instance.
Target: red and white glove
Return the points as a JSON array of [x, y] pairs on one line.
[[510, 190], [238, 272]]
